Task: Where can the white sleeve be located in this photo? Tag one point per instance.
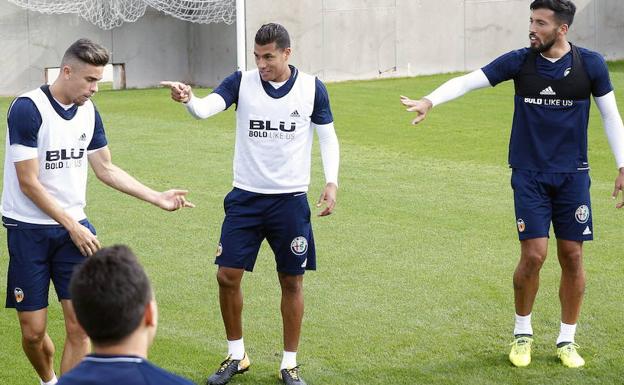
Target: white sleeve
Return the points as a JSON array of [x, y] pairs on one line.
[[202, 108], [612, 122], [19, 152], [330, 151], [458, 86]]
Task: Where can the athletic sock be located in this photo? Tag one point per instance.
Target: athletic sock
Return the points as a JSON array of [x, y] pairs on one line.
[[566, 334], [53, 381], [289, 360], [523, 325], [236, 349]]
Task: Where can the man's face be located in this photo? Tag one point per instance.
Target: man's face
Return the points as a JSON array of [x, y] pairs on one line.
[[543, 29], [272, 62], [81, 81]]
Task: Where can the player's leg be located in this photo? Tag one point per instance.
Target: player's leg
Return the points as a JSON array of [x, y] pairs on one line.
[[231, 302], [572, 222], [571, 292], [37, 344], [77, 344], [572, 284], [289, 233], [292, 310], [526, 276], [292, 316], [241, 236], [63, 262], [533, 216], [28, 282]]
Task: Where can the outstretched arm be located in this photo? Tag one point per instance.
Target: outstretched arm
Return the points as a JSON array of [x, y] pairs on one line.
[[450, 90], [118, 179], [330, 154], [200, 108], [614, 128]]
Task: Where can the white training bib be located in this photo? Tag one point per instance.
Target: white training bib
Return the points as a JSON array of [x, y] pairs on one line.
[[273, 136], [63, 164]]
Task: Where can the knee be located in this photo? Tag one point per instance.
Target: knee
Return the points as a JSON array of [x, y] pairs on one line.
[[572, 263], [291, 285], [75, 332], [33, 335], [532, 262], [228, 280]]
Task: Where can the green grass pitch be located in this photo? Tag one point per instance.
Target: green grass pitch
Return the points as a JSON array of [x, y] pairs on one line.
[[414, 268]]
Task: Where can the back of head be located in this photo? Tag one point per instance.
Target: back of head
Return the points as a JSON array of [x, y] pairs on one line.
[[87, 52], [564, 9], [273, 33], [110, 292]]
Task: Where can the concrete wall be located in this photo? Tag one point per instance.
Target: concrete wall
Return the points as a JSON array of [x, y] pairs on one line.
[[334, 39], [32, 41], [154, 48], [212, 52], [361, 39]]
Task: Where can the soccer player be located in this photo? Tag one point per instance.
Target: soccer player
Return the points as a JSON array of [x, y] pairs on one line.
[[52, 132], [115, 305], [548, 156], [278, 110]]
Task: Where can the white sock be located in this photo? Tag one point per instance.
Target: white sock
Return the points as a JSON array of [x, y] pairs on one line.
[[523, 325], [566, 333], [236, 349], [289, 360], [53, 381]]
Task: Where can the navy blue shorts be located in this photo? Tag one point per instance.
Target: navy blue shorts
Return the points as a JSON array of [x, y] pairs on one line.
[[38, 253], [283, 219], [562, 198]]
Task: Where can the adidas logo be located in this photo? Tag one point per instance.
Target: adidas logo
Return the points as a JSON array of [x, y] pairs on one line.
[[295, 114], [548, 91], [83, 137], [587, 231]]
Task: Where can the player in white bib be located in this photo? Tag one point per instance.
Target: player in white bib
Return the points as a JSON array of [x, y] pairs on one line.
[[53, 133], [278, 110]]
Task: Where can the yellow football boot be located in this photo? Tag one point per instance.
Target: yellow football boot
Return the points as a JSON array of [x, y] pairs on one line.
[[569, 356], [520, 354]]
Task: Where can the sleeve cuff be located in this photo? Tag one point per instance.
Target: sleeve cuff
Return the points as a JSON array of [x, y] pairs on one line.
[[19, 152]]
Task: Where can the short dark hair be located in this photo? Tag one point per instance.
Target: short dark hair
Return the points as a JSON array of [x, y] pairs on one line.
[[564, 9], [110, 292], [273, 33], [87, 52]]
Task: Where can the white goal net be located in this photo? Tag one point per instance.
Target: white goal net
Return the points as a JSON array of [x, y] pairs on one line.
[[108, 14]]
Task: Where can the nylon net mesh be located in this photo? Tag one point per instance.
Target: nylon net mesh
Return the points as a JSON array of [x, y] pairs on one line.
[[108, 14]]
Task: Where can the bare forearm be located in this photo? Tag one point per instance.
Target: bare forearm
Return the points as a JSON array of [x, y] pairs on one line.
[[120, 180], [46, 202]]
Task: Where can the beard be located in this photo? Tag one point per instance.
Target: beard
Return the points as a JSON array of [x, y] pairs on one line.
[[545, 46]]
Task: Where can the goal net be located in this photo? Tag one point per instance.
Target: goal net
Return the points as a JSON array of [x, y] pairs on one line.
[[108, 14]]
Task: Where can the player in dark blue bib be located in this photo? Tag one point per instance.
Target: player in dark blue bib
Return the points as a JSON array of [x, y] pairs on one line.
[[114, 303], [553, 80]]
